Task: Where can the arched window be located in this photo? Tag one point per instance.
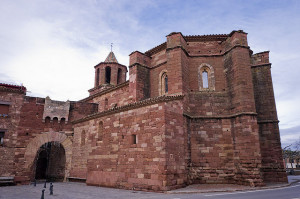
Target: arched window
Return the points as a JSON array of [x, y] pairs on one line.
[[97, 77], [47, 119], [107, 75], [100, 131], [63, 120], [55, 120], [83, 138], [119, 76], [206, 77], [163, 83]]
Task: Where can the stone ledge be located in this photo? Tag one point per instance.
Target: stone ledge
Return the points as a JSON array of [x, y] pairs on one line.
[[130, 106], [220, 116], [105, 91], [267, 121], [261, 65]]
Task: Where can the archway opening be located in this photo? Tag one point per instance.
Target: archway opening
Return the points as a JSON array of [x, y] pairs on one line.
[[50, 162]]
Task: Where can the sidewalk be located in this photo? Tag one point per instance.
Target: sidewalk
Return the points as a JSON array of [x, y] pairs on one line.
[[205, 188]]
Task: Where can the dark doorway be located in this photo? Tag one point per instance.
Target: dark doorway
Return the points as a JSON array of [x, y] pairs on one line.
[[50, 162], [41, 165]]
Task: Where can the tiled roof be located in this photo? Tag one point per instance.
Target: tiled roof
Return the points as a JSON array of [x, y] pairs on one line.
[[111, 58], [12, 88]]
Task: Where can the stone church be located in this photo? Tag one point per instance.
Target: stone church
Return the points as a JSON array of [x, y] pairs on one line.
[[196, 109]]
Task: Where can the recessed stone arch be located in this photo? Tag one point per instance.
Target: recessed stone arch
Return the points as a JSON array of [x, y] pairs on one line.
[[162, 84], [210, 77], [34, 145]]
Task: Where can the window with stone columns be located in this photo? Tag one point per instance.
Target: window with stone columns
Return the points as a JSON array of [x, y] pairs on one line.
[[163, 83], [206, 77]]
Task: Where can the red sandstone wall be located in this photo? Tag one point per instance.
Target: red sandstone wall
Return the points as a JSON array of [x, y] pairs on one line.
[[158, 59], [27, 115], [208, 104], [212, 151], [9, 124], [272, 164], [116, 161], [119, 96], [176, 145], [218, 65], [205, 48], [154, 80]]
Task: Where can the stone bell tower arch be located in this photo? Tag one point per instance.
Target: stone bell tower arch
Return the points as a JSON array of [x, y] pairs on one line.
[[109, 73]]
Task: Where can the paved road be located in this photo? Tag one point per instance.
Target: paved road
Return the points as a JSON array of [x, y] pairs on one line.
[[81, 191]]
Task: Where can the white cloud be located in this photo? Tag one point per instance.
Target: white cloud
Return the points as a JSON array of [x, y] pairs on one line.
[[52, 46]]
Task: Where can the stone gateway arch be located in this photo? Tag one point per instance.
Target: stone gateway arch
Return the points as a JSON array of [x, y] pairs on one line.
[[31, 153]]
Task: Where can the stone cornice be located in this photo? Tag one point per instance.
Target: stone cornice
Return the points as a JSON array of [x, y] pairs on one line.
[[156, 49], [138, 64], [197, 38], [209, 55], [109, 63], [261, 53], [267, 121], [146, 102], [261, 65], [192, 56], [105, 91], [221, 54], [193, 38], [220, 116]]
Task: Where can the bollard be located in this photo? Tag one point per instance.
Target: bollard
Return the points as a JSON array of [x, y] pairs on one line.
[[51, 188], [34, 183], [45, 184], [42, 197]]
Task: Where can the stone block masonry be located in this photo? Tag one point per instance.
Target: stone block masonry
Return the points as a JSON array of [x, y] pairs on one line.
[[195, 109]]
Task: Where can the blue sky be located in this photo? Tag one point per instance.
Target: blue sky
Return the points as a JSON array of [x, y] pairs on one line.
[[52, 46]]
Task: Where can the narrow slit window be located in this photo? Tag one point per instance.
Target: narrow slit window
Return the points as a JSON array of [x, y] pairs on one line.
[[205, 79], [166, 84], [1, 138], [133, 139], [100, 131]]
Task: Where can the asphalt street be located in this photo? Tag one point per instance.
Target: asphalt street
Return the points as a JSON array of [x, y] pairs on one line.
[[81, 191]]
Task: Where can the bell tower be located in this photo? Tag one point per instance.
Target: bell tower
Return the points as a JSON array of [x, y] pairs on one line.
[[108, 74]]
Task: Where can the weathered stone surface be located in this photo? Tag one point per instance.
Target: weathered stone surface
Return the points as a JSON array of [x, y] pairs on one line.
[[127, 134]]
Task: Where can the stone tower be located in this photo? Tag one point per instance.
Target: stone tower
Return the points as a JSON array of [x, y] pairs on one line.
[[109, 73]]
